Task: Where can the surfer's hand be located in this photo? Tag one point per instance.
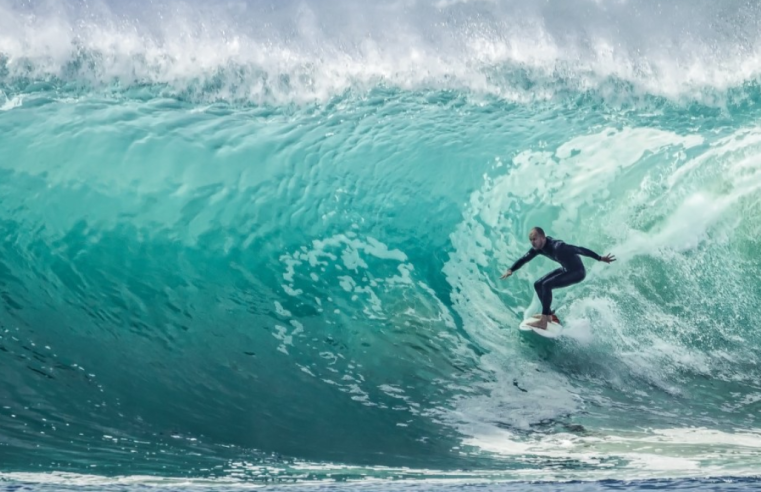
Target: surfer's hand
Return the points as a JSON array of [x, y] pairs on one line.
[[507, 274], [608, 258]]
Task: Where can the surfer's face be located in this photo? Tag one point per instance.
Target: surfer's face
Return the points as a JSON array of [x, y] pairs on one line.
[[537, 240]]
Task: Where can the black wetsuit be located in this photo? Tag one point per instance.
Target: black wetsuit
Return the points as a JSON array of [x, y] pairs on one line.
[[572, 270]]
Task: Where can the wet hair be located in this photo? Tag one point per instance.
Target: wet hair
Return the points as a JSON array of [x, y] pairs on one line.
[[539, 230]]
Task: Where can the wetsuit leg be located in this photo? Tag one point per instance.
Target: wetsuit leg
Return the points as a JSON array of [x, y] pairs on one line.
[[539, 283], [556, 279]]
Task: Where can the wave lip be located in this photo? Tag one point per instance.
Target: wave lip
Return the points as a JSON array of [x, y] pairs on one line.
[[295, 53]]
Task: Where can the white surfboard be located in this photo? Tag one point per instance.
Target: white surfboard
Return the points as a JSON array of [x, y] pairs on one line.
[[553, 329]]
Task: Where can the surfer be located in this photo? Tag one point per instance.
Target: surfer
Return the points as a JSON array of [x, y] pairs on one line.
[[571, 272]]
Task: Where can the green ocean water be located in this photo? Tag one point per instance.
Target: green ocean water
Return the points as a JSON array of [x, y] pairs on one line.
[[249, 243]]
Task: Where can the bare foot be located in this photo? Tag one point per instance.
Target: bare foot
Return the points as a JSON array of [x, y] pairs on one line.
[[542, 325]]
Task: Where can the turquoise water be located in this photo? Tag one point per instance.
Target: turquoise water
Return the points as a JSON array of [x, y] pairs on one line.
[[261, 242]]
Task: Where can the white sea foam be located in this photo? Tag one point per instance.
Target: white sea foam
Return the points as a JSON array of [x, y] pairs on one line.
[[295, 51]]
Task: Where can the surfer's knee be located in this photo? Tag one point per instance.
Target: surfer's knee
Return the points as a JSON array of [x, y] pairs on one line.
[[539, 286]]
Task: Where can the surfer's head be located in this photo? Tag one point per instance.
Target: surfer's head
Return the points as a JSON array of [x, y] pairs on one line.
[[537, 238]]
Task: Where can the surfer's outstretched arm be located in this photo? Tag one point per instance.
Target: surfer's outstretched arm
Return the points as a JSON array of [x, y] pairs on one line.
[[521, 261], [580, 250]]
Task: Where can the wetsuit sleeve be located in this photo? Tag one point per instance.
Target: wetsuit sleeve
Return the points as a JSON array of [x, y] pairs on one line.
[[579, 250], [524, 259]]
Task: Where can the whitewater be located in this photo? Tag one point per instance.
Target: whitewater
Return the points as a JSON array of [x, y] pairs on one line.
[[256, 242]]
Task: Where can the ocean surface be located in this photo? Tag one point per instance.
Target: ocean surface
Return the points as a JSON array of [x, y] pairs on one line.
[[250, 242]]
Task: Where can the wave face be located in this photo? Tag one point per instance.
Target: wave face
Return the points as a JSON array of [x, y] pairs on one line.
[[262, 241]]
